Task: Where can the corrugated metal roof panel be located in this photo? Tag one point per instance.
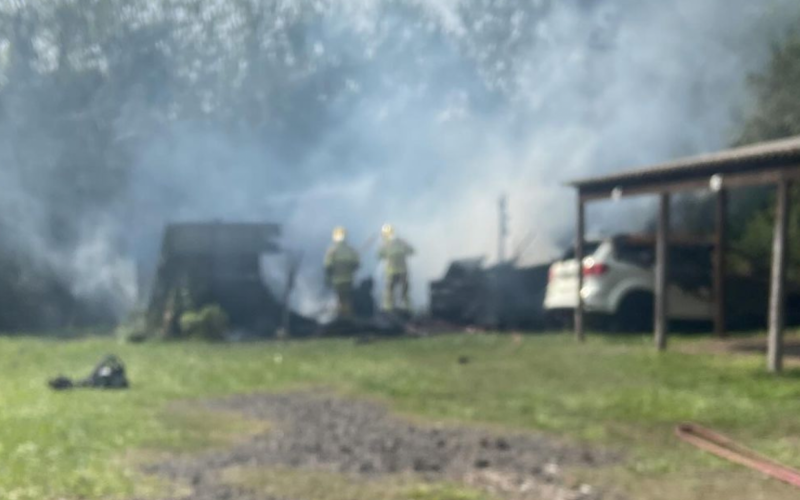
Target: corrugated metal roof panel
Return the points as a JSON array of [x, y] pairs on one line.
[[755, 156]]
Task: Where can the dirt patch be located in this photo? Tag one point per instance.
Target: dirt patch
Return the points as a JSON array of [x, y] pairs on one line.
[[312, 431], [791, 346], [753, 345]]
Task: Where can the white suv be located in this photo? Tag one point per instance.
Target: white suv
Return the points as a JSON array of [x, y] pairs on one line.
[[619, 282]]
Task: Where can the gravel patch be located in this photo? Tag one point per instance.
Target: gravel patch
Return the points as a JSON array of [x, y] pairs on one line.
[[314, 431]]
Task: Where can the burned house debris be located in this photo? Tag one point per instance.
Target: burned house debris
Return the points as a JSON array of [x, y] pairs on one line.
[[501, 296], [457, 296], [215, 263]]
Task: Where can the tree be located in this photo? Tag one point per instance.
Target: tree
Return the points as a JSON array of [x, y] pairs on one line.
[[775, 115], [71, 69]]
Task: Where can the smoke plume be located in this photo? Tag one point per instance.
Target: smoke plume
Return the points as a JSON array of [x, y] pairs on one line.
[[356, 113]]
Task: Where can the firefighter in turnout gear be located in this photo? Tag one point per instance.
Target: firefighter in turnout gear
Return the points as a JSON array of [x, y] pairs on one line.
[[341, 263], [395, 253]]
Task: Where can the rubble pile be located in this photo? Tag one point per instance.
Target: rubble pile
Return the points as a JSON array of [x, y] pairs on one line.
[[500, 296]]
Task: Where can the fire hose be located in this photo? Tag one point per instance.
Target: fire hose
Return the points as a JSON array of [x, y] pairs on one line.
[[728, 449]]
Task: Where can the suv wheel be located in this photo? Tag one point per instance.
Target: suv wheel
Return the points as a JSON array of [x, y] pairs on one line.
[[635, 313]]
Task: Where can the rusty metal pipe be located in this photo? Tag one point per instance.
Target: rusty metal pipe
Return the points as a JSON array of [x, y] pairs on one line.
[[724, 447]]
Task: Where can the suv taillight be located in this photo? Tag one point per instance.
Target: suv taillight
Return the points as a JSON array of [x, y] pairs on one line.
[[551, 273], [594, 268]]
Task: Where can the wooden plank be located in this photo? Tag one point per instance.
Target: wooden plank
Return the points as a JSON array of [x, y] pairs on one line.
[[692, 183], [777, 300], [580, 333], [661, 305], [720, 268]]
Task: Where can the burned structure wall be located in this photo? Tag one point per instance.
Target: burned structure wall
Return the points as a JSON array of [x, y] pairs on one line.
[[215, 263]]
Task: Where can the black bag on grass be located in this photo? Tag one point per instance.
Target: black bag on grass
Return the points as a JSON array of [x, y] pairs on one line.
[[108, 374]]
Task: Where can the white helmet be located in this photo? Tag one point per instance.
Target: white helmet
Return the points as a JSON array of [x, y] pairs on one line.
[[339, 234]]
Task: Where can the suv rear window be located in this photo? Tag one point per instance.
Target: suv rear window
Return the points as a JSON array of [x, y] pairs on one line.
[[637, 254], [589, 247], [690, 265]]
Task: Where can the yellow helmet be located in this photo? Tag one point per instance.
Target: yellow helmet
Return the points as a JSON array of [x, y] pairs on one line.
[[339, 234], [387, 231]]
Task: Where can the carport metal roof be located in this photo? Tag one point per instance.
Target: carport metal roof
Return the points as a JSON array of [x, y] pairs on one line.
[[764, 163]]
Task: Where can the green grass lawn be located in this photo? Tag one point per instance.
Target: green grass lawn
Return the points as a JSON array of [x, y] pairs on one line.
[[613, 391]]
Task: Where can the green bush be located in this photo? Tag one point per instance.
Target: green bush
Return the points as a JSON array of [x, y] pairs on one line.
[[208, 323]]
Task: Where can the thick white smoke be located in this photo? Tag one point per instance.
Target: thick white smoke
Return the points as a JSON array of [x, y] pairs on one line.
[[422, 112]]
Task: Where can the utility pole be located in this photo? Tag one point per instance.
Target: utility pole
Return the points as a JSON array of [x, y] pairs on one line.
[[502, 232]]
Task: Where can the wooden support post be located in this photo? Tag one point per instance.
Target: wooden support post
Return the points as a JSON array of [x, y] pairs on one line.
[[720, 271], [777, 299], [580, 334], [661, 309]]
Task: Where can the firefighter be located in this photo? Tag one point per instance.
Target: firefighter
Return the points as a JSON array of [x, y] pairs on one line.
[[395, 252], [341, 263]]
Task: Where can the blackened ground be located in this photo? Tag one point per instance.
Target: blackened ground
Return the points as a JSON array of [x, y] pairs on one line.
[[315, 431]]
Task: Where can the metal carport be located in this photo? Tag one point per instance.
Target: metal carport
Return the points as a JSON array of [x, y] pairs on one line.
[[770, 163]]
